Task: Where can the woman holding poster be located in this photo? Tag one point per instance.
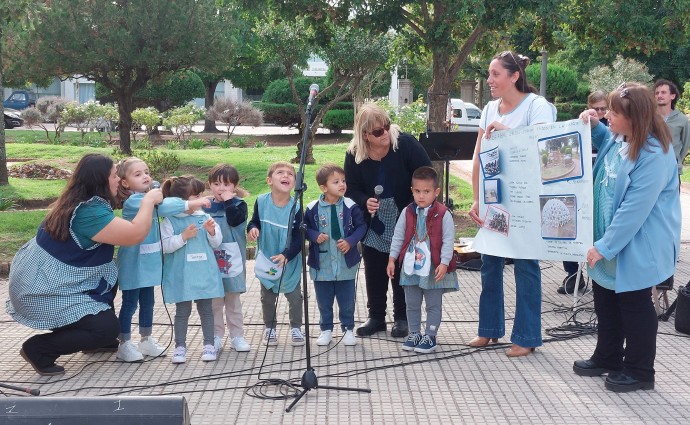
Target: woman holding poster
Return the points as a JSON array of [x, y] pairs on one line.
[[636, 232], [516, 105]]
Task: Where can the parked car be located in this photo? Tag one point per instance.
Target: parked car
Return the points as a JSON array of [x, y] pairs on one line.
[[20, 99], [13, 118], [463, 116]]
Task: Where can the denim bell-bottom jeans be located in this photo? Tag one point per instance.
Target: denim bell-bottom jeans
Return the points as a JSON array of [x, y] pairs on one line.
[[527, 322]]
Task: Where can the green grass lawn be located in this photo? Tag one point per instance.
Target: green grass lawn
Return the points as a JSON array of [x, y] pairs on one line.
[[16, 227]]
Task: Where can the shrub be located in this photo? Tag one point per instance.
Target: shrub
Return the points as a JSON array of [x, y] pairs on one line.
[[233, 113], [285, 114], [145, 117], [560, 81], [278, 91], [196, 143], [608, 78], [161, 164], [569, 110], [181, 120], [47, 110], [175, 90], [337, 120], [684, 101]]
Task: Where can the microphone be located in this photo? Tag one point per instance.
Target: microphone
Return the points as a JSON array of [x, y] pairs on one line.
[[22, 389], [378, 190], [155, 184], [313, 91]]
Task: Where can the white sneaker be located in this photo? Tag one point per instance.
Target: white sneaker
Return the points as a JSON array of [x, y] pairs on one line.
[[270, 337], [325, 338], [209, 353], [180, 355], [218, 344], [349, 338], [149, 347], [239, 344], [128, 352], [297, 338]]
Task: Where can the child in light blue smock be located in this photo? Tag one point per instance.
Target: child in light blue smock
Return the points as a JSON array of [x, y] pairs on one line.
[[190, 271], [230, 212], [140, 266], [278, 267]]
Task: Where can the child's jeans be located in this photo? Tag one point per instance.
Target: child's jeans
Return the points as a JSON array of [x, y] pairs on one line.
[[144, 298], [344, 292]]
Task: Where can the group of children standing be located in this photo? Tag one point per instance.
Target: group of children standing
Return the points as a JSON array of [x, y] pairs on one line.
[[203, 240]]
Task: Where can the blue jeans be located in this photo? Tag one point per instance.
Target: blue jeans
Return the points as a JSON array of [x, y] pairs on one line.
[[144, 297], [527, 323], [344, 292]]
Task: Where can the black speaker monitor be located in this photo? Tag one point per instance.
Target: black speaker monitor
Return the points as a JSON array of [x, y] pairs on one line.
[[155, 410]]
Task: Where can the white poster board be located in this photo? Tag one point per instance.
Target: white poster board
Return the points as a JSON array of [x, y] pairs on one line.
[[535, 192]]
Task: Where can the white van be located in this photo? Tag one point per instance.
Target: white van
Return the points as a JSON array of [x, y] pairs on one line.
[[463, 116]]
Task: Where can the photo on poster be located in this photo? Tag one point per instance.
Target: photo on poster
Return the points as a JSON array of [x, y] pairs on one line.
[[497, 220], [558, 216], [560, 158], [489, 162], [492, 191]]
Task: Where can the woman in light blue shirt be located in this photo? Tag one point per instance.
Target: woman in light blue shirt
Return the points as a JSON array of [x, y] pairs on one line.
[[636, 234]]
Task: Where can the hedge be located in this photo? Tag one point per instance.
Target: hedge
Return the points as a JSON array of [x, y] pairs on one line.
[[339, 119]]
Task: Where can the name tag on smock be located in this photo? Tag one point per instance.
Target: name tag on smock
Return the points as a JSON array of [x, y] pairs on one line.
[[196, 257]]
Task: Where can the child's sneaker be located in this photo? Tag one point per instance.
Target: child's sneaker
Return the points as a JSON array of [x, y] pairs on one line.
[[239, 344], [128, 352], [218, 344], [349, 338], [270, 337], [148, 346], [412, 341], [209, 353], [426, 345], [180, 355], [325, 338], [297, 338]]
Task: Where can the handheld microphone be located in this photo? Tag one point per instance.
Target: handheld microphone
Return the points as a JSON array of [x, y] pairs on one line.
[[155, 184], [313, 91], [378, 190], [33, 392]]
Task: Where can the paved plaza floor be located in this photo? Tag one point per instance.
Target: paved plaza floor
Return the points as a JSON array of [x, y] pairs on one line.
[[456, 384]]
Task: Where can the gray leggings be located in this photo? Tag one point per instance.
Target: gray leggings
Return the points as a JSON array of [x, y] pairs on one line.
[[182, 312], [268, 305], [433, 299]]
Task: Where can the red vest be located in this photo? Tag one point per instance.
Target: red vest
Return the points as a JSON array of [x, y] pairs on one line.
[[434, 228]]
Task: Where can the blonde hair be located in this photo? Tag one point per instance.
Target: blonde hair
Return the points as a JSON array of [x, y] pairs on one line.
[[279, 164], [121, 169], [369, 115], [636, 103]]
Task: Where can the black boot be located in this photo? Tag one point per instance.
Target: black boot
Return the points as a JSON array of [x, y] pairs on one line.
[[371, 326], [400, 329], [569, 285]]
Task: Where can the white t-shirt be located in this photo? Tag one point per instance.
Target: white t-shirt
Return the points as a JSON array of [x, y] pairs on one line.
[[532, 110]]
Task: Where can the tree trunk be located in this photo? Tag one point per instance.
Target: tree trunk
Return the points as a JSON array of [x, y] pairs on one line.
[[439, 92], [4, 178], [210, 125], [125, 106]]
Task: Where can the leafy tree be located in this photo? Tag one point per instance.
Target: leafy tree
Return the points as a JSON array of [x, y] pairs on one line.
[[607, 78], [176, 89], [124, 44], [15, 16], [350, 53]]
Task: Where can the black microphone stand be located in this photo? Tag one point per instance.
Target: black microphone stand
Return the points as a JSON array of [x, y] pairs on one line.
[[309, 380]]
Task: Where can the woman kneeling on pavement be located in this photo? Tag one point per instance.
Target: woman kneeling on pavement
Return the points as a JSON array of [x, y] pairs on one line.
[[62, 279]]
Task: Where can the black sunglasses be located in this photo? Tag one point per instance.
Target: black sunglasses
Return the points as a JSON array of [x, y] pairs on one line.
[[378, 132], [604, 109]]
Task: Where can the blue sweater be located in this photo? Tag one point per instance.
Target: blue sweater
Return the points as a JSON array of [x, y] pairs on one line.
[[644, 234]]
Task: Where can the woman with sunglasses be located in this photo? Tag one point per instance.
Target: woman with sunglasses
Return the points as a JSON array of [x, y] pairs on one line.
[[637, 221], [380, 155], [516, 105]]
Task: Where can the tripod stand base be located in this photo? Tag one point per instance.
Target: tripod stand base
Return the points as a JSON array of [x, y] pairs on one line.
[[309, 382]]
